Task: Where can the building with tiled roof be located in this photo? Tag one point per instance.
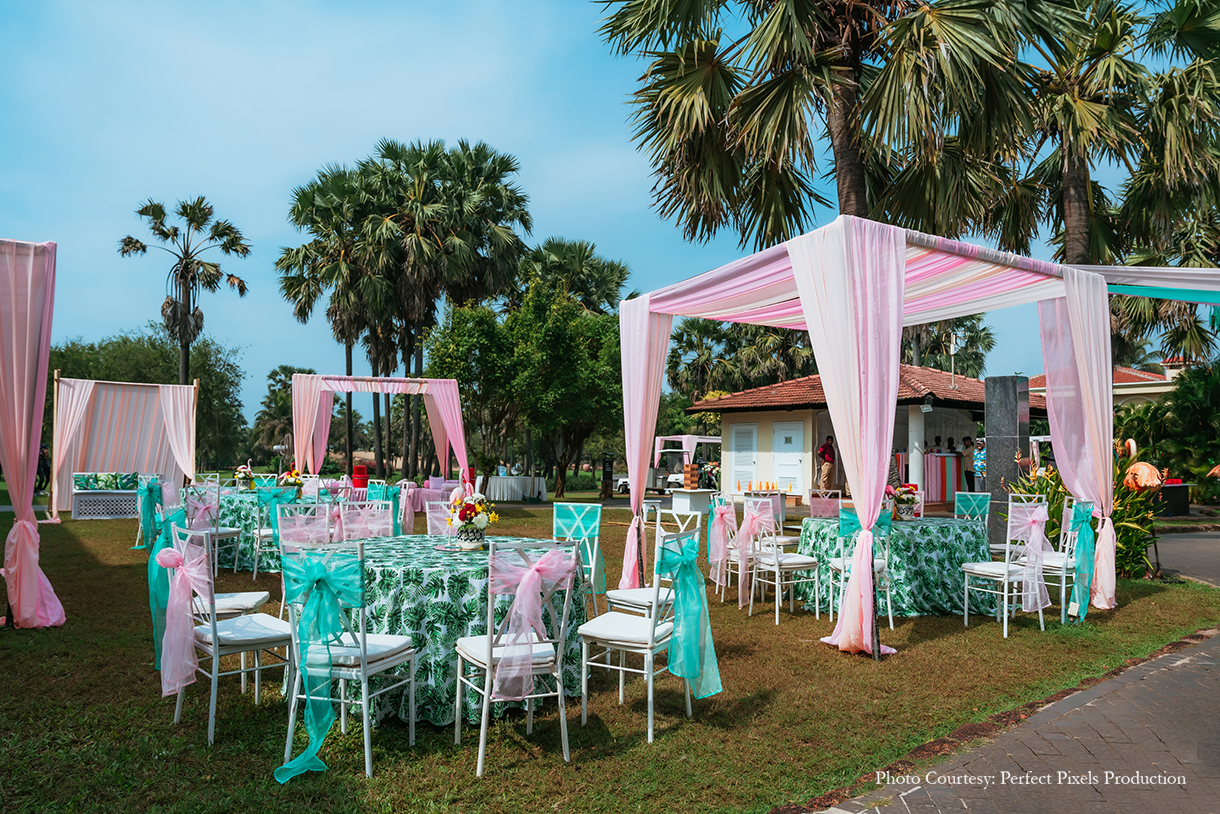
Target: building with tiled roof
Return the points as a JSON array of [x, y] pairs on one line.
[[770, 434], [1131, 386]]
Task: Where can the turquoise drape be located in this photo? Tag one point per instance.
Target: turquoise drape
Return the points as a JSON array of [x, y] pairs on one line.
[[326, 586], [849, 523], [148, 497], [692, 654], [158, 577], [1082, 523]]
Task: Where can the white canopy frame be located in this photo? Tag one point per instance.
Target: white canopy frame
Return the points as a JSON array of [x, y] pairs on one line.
[[102, 426]]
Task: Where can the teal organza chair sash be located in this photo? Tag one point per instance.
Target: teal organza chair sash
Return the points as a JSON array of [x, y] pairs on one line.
[[970, 504], [692, 654], [849, 523], [148, 496], [158, 576], [269, 498], [1082, 524], [324, 583]]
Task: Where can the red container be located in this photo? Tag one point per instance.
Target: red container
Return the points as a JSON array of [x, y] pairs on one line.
[[360, 476], [1172, 481]]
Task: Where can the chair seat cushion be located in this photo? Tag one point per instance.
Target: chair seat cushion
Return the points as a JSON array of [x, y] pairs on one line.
[[623, 627], [378, 646], [790, 561], [243, 602], [638, 597], [474, 649], [225, 532], [253, 631], [1053, 561], [993, 570]]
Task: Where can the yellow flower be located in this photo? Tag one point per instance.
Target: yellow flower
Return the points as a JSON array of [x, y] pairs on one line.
[[495, 518]]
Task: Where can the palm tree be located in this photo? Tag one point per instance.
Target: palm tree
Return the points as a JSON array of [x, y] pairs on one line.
[[974, 341], [331, 209], [732, 124], [574, 265], [274, 420], [697, 363], [447, 226], [190, 272]]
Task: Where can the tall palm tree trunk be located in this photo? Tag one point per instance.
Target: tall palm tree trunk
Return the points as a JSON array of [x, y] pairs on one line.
[[841, 114], [347, 346], [1075, 211], [184, 344], [378, 458]]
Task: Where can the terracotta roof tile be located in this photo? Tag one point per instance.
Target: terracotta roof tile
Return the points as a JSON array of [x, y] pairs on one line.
[[914, 384], [1122, 375]]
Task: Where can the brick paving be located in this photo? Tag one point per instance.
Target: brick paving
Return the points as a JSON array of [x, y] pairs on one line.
[[1147, 740]]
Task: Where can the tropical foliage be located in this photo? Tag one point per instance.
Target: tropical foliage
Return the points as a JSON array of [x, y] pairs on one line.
[[1132, 516], [189, 272], [152, 355], [1181, 432]]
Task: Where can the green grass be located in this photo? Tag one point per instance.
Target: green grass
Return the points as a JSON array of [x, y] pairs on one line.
[[85, 727]]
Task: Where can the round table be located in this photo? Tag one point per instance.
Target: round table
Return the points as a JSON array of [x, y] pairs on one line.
[[926, 557], [239, 510], [514, 488], [436, 597]]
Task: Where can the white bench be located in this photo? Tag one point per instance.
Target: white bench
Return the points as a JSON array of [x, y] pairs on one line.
[[104, 504]]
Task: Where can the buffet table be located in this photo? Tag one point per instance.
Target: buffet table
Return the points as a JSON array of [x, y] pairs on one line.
[[514, 488], [926, 557]]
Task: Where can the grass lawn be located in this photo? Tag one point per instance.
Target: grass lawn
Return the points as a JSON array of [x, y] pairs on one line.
[[85, 728]]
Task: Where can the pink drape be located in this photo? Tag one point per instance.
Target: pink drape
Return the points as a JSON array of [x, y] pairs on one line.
[[850, 279], [70, 407], [1080, 403], [123, 430], [178, 410], [306, 392], [443, 400], [27, 297], [644, 342]]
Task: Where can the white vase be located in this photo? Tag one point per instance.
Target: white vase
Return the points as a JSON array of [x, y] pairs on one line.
[[469, 538], [905, 511]]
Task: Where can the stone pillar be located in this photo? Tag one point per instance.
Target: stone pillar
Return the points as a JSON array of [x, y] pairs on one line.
[[915, 445], [1006, 420]]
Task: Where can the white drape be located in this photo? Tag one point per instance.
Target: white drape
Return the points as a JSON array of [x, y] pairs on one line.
[[1080, 403], [70, 408], [178, 409]]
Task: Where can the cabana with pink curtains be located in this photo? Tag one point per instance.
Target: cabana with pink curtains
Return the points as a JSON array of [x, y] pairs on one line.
[[121, 427], [313, 399], [27, 297], [853, 285]]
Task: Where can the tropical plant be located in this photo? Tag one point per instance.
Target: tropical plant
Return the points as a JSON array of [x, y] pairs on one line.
[[1132, 516], [573, 265], [189, 272], [273, 422], [974, 341], [1136, 352], [697, 362]]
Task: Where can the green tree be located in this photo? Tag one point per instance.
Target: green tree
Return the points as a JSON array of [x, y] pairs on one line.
[[151, 356], [573, 265], [189, 272], [273, 422], [568, 377], [974, 341]]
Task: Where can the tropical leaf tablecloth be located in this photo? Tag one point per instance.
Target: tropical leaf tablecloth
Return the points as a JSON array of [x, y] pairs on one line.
[[926, 557], [240, 511], [436, 597]]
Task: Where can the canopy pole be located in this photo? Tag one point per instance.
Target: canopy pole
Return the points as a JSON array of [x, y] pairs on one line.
[[54, 499], [194, 427]]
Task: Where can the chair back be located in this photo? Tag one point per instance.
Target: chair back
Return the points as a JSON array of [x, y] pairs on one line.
[[757, 524], [920, 496], [194, 544], [363, 520], [303, 525], [343, 567], [1068, 537], [438, 518], [677, 542], [209, 478], [1027, 518], [145, 478], [309, 487], [532, 573], [581, 523], [825, 502], [972, 505], [376, 482], [265, 479], [202, 503]]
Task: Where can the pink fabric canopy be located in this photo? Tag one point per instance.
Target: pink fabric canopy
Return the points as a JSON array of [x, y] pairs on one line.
[[27, 298], [853, 284], [121, 427], [313, 396]]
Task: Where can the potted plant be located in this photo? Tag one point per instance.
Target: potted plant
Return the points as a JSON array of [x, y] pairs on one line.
[[244, 476], [710, 475], [904, 502], [471, 516]]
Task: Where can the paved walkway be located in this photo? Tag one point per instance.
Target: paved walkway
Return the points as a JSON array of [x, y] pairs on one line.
[[1196, 554], [1145, 741]]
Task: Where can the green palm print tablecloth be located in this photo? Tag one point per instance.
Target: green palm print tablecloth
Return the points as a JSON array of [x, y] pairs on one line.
[[240, 511], [926, 557], [436, 597]]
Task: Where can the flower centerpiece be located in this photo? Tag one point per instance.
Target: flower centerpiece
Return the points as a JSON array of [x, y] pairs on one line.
[[471, 516], [292, 478], [709, 474], [244, 476], [905, 499]]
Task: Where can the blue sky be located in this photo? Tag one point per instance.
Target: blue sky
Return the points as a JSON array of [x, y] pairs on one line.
[[109, 104]]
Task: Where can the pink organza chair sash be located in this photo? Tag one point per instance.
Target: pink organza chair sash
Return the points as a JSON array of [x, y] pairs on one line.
[[438, 519], [824, 506], [192, 574], [169, 495], [1027, 522], [720, 534], [202, 511], [304, 529], [361, 521], [759, 519], [531, 588]]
